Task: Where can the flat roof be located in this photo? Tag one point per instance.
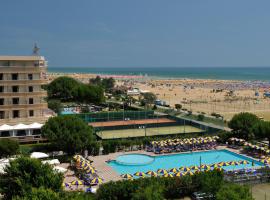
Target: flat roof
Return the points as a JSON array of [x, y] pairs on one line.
[[22, 58]]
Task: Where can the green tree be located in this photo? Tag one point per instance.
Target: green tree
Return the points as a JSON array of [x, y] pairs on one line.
[[55, 105], [8, 147], [178, 106], [200, 117], [151, 192], [68, 132], [233, 192], [62, 88], [149, 98], [40, 194], [261, 130], [24, 173], [95, 81], [108, 83], [242, 125]]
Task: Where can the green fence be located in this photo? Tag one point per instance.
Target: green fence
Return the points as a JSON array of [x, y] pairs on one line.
[[116, 116]]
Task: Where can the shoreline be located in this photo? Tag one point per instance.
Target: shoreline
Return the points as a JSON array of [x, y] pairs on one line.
[[150, 78]]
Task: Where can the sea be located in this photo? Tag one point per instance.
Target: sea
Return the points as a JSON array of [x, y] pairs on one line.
[[218, 73]]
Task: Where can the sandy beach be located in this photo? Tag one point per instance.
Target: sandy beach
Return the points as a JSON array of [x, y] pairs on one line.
[[225, 97]]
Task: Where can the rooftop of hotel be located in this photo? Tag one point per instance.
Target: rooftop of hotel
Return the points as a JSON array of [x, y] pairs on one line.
[[21, 58]]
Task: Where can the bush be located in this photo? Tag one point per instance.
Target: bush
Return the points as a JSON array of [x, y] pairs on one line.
[[200, 117], [224, 136], [233, 192], [160, 187], [55, 105], [8, 147]]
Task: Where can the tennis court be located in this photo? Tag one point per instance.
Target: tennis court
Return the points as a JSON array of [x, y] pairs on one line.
[[141, 132], [131, 122]]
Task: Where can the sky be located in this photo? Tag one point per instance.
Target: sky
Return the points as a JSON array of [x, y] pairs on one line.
[[138, 33]]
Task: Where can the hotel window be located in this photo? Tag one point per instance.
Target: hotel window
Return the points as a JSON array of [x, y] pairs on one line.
[[15, 88], [31, 101], [2, 114], [30, 76], [1, 76], [1, 88], [31, 113], [15, 101], [16, 114], [14, 77], [30, 89], [2, 101]]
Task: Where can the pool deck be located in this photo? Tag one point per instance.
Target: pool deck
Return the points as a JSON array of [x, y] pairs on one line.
[[107, 173]]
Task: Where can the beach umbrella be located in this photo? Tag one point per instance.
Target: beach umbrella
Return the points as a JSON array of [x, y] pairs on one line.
[[214, 165], [96, 181], [66, 184], [223, 164], [185, 169], [151, 173], [90, 171], [243, 162], [233, 163], [162, 171], [264, 161], [179, 174], [218, 169], [194, 167], [205, 167], [189, 173], [77, 182], [167, 175], [174, 170], [127, 176], [141, 174]]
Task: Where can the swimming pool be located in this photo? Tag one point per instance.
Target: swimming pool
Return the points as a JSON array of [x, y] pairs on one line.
[[184, 159]]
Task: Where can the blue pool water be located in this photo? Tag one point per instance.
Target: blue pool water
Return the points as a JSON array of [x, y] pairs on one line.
[[134, 159], [68, 112], [183, 159]]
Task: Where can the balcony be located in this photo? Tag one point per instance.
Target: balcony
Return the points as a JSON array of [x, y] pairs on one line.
[[24, 94], [22, 69], [24, 106], [25, 81]]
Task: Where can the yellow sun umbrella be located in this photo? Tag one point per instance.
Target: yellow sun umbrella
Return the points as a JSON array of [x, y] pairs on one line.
[[223, 164], [194, 167], [77, 182], [185, 169], [205, 167], [151, 173], [96, 181], [141, 174], [90, 171], [127, 176], [66, 184], [243, 162], [174, 170], [179, 174], [215, 166], [162, 171], [189, 173], [167, 175]]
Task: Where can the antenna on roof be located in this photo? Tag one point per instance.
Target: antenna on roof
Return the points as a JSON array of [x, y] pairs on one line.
[[35, 49]]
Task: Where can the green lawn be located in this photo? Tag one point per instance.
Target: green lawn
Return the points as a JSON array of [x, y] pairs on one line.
[[126, 133]]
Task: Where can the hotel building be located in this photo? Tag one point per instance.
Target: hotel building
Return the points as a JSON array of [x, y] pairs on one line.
[[22, 104]]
